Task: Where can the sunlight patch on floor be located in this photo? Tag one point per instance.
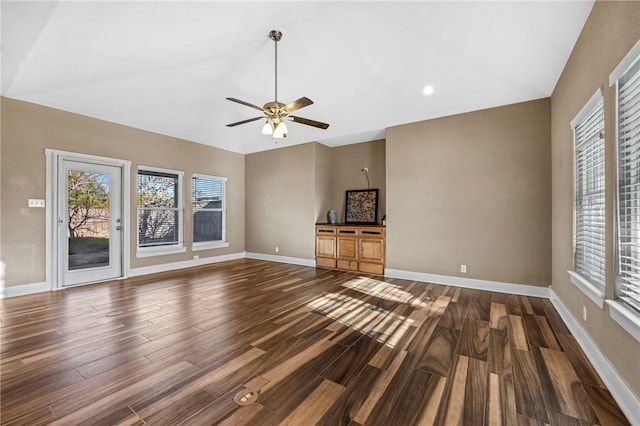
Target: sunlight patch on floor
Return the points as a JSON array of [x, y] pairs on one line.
[[385, 290], [363, 317]]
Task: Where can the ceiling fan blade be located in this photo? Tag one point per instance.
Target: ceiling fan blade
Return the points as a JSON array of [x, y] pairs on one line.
[[244, 121], [246, 104], [308, 122], [298, 104]]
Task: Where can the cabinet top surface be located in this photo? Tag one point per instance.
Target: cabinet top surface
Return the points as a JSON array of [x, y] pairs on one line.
[[351, 225]]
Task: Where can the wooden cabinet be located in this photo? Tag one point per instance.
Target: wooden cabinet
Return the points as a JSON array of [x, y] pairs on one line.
[[351, 248]]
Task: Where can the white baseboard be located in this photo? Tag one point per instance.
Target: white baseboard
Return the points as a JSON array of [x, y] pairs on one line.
[[628, 402], [23, 290], [282, 259], [164, 267], [499, 287]]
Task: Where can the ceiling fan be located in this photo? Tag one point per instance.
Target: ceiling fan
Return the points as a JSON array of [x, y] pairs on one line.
[[275, 112]]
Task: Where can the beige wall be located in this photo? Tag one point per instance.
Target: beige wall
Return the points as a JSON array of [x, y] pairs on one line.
[[346, 166], [2, 261], [290, 189], [28, 129], [280, 201], [472, 189], [611, 30], [323, 182]]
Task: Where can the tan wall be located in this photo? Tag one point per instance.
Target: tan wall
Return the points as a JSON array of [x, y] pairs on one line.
[[28, 129], [280, 201], [290, 189], [347, 163], [323, 180], [611, 30], [2, 261], [472, 189]]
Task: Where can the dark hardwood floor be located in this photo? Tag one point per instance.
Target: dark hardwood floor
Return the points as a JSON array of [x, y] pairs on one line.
[[317, 346]]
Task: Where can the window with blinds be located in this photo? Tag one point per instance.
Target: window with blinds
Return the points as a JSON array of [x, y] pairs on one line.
[[208, 205], [589, 189], [627, 281], [159, 208]]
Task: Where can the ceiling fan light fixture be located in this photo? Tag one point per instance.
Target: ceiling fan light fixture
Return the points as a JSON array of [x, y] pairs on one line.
[[267, 129], [280, 131]]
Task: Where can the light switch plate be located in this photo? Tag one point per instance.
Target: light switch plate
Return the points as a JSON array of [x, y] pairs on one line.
[[38, 203]]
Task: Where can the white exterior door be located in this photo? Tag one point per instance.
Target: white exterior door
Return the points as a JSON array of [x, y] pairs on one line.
[[90, 222]]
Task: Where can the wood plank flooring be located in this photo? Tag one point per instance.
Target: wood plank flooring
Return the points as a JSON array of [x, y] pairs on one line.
[[319, 346]]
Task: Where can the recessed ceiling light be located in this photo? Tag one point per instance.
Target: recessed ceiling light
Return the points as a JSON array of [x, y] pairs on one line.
[[428, 90]]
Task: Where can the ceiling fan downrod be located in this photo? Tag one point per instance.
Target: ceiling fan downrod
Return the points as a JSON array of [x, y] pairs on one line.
[[276, 36]]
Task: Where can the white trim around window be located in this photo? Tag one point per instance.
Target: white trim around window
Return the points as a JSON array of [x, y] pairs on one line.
[[167, 249], [215, 192], [625, 64], [625, 317], [589, 200], [625, 308], [593, 292], [592, 103]]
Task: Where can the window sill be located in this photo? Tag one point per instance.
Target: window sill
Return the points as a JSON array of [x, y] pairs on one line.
[[211, 245], [593, 292], [160, 251], [625, 317]]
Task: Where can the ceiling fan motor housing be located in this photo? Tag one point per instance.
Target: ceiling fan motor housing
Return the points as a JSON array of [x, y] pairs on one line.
[[275, 108]]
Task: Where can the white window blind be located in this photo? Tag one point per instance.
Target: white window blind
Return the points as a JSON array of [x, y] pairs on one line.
[[159, 208], [589, 186], [627, 281], [208, 204]]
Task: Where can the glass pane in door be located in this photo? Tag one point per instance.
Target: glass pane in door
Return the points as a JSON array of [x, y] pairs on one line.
[[88, 220]]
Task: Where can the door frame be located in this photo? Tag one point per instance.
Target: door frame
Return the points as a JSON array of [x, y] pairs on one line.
[[53, 158]]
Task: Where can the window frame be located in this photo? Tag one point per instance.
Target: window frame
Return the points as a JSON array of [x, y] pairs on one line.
[[206, 245], [578, 276], [626, 315], [158, 250]]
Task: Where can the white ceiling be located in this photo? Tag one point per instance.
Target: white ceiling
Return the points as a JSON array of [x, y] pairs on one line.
[[167, 67]]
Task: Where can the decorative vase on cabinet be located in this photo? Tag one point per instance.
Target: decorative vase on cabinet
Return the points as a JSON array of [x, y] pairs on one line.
[[332, 217]]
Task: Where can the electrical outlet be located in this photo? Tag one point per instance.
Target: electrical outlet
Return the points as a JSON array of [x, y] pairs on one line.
[[463, 269], [196, 257], [277, 249], [584, 313]]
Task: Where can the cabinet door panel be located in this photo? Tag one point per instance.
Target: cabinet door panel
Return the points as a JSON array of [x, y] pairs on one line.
[[325, 246], [347, 248], [372, 249]]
